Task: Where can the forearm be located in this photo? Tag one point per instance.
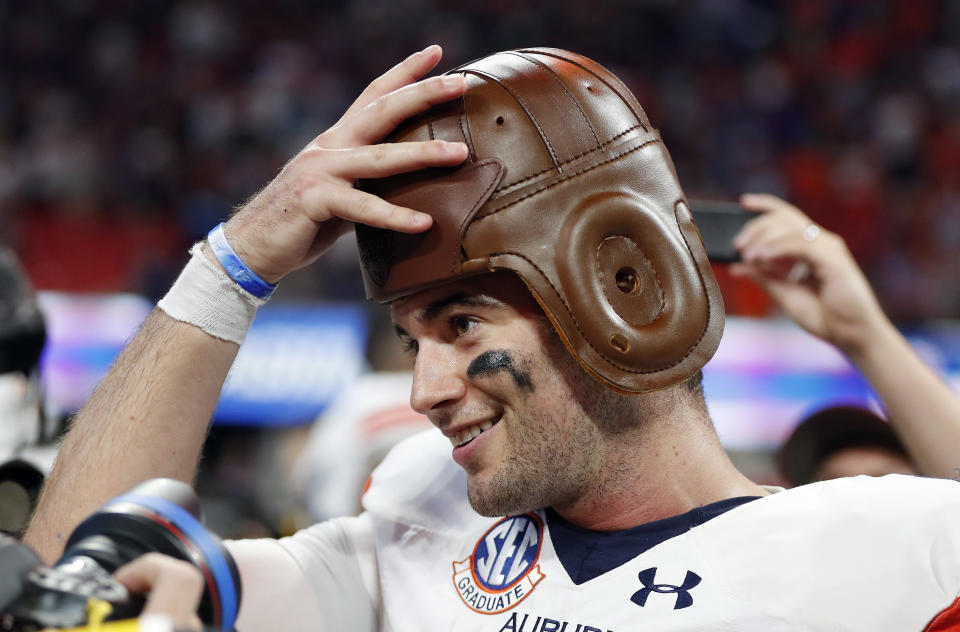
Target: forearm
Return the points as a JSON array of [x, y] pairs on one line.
[[921, 407], [148, 418]]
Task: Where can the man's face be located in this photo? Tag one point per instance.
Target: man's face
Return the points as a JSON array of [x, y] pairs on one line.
[[494, 377]]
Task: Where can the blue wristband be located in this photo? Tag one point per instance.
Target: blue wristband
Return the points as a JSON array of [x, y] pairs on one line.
[[235, 267]]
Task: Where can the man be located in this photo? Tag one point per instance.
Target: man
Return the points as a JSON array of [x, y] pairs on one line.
[[560, 309], [840, 441]]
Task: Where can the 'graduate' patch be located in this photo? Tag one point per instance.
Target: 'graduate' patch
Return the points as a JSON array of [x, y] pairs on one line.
[[503, 569]]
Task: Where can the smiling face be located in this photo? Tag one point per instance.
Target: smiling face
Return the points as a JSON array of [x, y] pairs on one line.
[[492, 374]]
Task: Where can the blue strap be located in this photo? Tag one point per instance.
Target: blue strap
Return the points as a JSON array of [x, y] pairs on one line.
[[235, 267], [199, 536]]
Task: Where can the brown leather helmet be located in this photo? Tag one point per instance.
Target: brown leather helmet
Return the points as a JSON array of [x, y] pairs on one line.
[[568, 186]]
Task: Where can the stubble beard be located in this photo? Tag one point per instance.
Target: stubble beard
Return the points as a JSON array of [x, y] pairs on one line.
[[541, 470], [554, 458]]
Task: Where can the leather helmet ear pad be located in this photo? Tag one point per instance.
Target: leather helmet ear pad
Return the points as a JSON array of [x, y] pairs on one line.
[[623, 279]]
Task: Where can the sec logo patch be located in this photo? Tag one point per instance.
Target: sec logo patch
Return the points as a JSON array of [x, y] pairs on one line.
[[503, 569]]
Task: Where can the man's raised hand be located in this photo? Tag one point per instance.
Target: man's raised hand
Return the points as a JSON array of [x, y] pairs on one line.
[[312, 201]]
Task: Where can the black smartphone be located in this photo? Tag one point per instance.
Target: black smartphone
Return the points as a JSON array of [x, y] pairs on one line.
[[719, 222]]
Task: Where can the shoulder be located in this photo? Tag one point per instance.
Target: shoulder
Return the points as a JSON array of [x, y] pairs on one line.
[[907, 512], [418, 483], [900, 508], [840, 549], [893, 493]]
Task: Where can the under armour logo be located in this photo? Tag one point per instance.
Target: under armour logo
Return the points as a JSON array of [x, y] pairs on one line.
[[648, 579]]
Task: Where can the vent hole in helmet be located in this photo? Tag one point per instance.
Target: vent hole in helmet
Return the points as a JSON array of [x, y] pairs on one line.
[[628, 281], [619, 343]]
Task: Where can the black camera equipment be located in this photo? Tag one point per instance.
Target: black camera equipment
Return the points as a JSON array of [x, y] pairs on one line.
[[160, 515], [22, 422], [22, 329]]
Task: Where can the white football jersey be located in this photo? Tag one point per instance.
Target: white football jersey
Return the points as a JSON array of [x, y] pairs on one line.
[[851, 554], [369, 417]]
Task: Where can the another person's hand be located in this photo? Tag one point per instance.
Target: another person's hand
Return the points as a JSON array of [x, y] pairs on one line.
[[173, 588], [312, 201], [808, 271]]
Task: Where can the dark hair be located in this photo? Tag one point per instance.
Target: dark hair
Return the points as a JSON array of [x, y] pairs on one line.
[[831, 430]]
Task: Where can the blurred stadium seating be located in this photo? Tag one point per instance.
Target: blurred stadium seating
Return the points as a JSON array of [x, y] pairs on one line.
[[129, 129]]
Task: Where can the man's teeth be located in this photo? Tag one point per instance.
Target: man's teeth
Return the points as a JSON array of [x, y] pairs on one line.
[[467, 434]]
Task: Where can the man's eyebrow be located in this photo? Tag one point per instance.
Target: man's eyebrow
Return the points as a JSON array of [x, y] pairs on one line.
[[435, 308]]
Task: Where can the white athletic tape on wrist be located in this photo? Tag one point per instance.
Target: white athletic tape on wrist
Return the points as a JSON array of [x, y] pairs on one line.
[[155, 623], [203, 295]]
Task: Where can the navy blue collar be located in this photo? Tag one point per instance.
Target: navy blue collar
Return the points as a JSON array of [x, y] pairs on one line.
[[587, 554]]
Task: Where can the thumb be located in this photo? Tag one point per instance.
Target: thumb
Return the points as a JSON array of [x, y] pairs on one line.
[[174, 587]]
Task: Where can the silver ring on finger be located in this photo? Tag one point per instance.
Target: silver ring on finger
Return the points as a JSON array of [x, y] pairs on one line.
[[811, 232], [800, 272]]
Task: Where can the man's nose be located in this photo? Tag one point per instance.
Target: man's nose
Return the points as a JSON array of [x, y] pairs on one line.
[[436, 379]]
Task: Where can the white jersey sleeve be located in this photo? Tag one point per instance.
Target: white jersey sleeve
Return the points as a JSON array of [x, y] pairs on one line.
[[323, 578]]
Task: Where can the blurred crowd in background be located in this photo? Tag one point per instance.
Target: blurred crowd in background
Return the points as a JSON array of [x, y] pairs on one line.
[[127, 130]]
